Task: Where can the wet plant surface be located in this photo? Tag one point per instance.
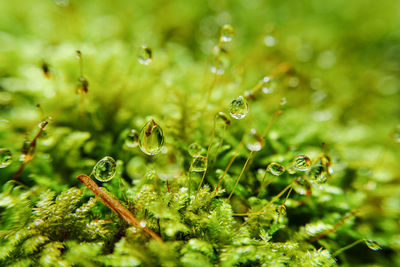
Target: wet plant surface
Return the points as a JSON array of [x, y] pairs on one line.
[[168, 133]]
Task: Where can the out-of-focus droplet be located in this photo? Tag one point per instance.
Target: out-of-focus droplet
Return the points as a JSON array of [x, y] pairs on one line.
[[396, 134], [222, 116], [145, 55], [275, 169], [105, 169], [302, 187], [199, 164], [132, 139], [195, 149], [283, 101], [269, 41], [319, 174], [302, 163], [239, 108], [253, 141], [220, 61], [227, 33], [373, 245], [5, 157], [267, 85], [151, 138]]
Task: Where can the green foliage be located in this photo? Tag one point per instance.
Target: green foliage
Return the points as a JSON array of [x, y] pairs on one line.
[[148, 90]]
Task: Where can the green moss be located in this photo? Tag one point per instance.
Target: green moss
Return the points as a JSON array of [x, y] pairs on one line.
[[271, 194]]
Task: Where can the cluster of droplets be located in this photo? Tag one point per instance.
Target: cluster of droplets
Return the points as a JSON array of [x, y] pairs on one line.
[[151, 138], [5, 157], [199, 162], [239, 108], [145, 55], [105, 169]]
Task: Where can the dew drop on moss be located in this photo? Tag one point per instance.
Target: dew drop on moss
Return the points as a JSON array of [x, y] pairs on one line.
[[195, 149], [5, 157], [283, 101], [302, 163], [199, 164], [239, 108], [151, 138], [275, 169], [132, 139], [105, 169], [267, 85], [253, 141], [227, 33], [373, 245], [145, 55]]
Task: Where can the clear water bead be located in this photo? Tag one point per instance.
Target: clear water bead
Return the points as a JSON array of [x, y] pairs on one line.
[[5, 157], [302, 163], [105, 169], [275, 169], [132, 139], [199, 164], [227, 33], [239, 108], [145, 55], [151, 138]]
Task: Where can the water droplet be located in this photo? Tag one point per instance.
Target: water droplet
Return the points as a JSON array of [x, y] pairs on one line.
[[275, 169], [195, 150], [132, 139], [105, 169], [373, 245], [267, 85], [269, 41], [227, 33], [199, 164], [283, 101], [5, 157], [239, 108], [222, 116], [319, 173], [302, 163], [253, 141], [302, 187], [151, 138], [220, 60], [145, 55]]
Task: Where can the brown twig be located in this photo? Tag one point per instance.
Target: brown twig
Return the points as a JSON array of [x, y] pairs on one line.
[[115, 205]]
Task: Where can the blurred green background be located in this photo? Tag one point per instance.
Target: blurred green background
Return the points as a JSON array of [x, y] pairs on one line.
[[342, 86]]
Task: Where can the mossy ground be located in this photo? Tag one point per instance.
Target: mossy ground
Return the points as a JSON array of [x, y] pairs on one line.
[[335, 63]]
